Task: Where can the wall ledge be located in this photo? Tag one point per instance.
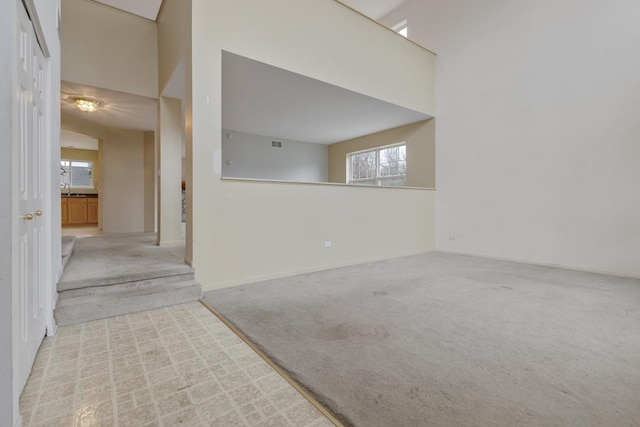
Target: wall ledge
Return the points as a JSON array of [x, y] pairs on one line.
[[331, 184]]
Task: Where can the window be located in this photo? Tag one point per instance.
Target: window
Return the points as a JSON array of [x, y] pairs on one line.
[[401, 28], [381, 166], [76, 173]]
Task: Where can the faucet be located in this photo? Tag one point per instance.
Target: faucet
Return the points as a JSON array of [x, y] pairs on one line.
[[68, 187]]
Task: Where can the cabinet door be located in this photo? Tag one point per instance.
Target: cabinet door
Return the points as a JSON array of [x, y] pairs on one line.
[[92, 211], [64, 210], [78, 211]]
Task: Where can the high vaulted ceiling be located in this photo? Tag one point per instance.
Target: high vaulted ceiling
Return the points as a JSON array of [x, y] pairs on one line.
[[264, 100], [149, 9], [146, 8], [375, 9], [117, 109], [129, 111]]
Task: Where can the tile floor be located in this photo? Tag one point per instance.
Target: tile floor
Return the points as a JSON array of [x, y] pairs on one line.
[[176, 366], [87, 231]]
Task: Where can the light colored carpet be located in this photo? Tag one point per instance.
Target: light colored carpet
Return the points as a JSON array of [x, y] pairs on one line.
[[106, 260], [450, 340], [114, 275]]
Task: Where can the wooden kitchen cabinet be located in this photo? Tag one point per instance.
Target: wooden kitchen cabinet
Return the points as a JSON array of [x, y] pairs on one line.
[[64, 205], [79, 210], [92, 210]]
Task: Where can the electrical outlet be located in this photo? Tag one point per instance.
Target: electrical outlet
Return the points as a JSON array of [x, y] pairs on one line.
[[327, 244]]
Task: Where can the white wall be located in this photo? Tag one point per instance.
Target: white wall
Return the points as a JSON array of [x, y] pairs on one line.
[[122, 197], [8, 402], [150, 176], [127, 57], [239, 232], [538, 129], [245, 155]]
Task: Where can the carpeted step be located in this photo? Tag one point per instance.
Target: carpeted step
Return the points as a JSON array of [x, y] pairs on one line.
[[127, 286], [68, 281], [68, 244], [118, 300]]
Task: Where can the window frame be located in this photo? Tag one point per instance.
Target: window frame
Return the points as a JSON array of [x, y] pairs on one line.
[[400, 27], [377, 178], [70, 171]]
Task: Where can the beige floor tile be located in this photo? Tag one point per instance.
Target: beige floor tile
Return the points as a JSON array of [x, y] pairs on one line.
[[276, 421], [204, 391], [94, 414], [302, 414], [231, 419], [186, 417], [173, 403], [214, 408], [176, 366], [139, 416]]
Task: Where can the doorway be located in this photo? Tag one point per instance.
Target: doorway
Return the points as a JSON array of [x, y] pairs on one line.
[[31, 300]]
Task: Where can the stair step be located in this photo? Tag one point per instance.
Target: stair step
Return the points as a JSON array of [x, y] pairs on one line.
[[119, 301], [126, 286], [68, 244], [66, 284]]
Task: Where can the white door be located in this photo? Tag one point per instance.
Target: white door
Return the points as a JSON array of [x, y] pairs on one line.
[[29, 301]]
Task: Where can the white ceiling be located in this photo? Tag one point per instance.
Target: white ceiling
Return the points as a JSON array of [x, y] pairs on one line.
[[149, 9], [70, 139], [375, 9], [264, 100], [146, 8], [254, 103], [118, 109]]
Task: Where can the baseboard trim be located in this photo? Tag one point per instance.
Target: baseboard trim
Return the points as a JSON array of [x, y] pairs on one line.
[[18, 421], [170, 242], [52, 329], [324, 411], [540, 264], [280, 275]]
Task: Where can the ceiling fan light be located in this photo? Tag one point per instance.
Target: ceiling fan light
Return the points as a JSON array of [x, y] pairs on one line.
[[87, 105]]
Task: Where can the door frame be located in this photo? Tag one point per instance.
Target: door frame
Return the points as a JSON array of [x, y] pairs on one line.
[[9, 412]]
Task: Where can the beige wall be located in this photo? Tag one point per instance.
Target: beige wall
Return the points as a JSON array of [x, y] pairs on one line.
[[269, 230], [122, 194], [174, 38], [421, 162], [88, 155], [149, 182], [238, 232], [108, 48], [522, 174], [170, 168]]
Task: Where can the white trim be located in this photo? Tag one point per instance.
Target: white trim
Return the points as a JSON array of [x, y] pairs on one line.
[[380, 147], [539, 264], [52, 329], [333, 184], [18, 421], [30, 6], [280, 275], [377, 178], [400, 26]]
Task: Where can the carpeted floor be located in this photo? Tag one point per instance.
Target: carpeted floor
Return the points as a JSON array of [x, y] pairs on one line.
[[450, 340], [123, 257]]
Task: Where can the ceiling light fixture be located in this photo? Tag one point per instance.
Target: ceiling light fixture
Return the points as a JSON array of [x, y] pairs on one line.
[[87, 105]]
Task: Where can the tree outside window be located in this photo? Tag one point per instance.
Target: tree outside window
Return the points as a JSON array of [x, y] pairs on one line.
[[76, 174], [382, 166]]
